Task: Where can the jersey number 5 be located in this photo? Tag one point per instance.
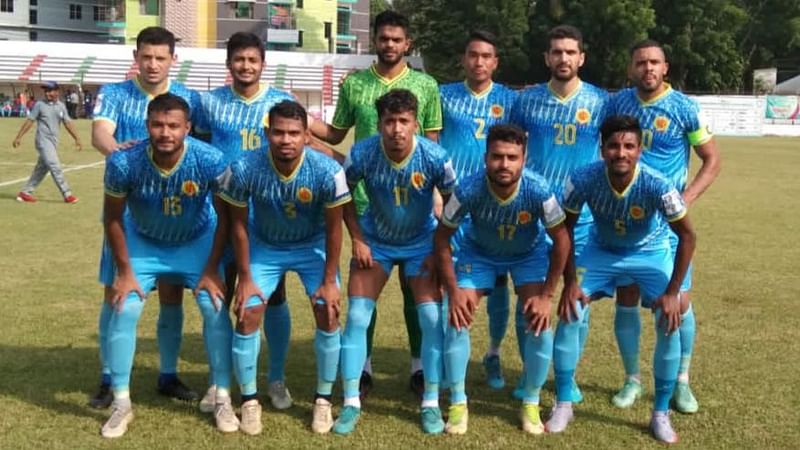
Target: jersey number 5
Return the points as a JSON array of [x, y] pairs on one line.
[[250, 140]]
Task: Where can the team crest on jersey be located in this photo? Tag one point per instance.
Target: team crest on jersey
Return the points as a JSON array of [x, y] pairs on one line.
[[661, 123], [304, 195], [190, 188], [637, 212], [523, 217], [583, 116], [497, 111], [417, 180]]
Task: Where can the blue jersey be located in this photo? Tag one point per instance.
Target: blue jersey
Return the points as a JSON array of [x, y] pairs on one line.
[[400, 194], [237, 124], [467, 118], [498, 227], [167, 206], [670, 125], [287, 210], [125, 105], [630, 220]]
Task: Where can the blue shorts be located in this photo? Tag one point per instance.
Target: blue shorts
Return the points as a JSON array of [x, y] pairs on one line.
[[411, 256], [269, 263], [180, 264], [475, 270], [600, 271], [581, 237]]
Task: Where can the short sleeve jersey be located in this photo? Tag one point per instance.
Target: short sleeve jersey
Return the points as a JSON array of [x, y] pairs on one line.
[[125, 105], [237, 124], [357, 96], [400, 193], [467, 119], [635, 219], [503, 227], [48, 117], [168, 206], [287, 210], [671, 124]]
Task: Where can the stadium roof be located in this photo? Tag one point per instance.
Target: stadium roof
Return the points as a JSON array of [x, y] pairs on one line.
[[788, 87]]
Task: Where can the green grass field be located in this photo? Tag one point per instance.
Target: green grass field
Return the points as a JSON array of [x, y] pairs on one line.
[[744, 373]]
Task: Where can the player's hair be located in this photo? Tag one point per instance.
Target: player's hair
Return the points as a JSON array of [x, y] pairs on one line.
[[168, 102], [156, 36], [392, 19], [648, 43], [507, 133], [289, 109], [482, 36], [242, 40], [565, 32], [396, 101], [620, 124]]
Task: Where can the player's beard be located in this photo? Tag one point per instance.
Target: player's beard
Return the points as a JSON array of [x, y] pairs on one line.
[[564, 77], [388, 61], [504, 183]]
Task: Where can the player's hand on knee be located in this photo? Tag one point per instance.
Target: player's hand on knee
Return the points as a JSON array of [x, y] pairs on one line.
[[245, 290], [670, 306], [124, 284], [568, 303], [537, 310], [362, 254], [328, 294], [460, 310], [211, 282]]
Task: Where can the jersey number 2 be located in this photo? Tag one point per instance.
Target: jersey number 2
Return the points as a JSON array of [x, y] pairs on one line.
[[481, 125]]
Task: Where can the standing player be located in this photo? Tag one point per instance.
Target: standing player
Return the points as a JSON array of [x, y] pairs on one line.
[[671, 125], [506, 204], [633, 207], [235, 116], [48, 115], [563, 120], [159, 222], [469, 109], [356, 107], [296, 224], [399, 172], [120, 117]]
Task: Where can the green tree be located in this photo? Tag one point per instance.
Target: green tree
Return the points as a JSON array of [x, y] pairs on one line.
[[700, 39], [771, 36], [609, 27]]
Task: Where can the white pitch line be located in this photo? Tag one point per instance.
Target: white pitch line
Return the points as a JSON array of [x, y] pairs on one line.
[[84, 166]]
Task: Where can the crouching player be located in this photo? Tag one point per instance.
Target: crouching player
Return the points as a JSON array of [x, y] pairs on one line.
[[400, 171], [509, 207], [634, 208], [168, 232], [296, 196]]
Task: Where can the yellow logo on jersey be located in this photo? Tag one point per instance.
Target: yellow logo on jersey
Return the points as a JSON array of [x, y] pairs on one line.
[[304, 195], [523, 217], [637, 212], [190, 188], [661, 123], [417, 180], [497, 111], [583, 116]]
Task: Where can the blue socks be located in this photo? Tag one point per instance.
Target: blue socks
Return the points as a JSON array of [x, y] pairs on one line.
[[430, 322], [218, 337], [278, 329], [566, 353], [687, 331], [354, 343], [326, 347], [538, 352], [456, 358], [102, 337], [122, 341], [170, 333], [245, 360], [627, 328], [584, 331], [497, 309], [665, 364], [520, 326]]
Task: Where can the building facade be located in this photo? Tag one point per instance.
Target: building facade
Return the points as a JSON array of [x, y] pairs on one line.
[[52, 20]]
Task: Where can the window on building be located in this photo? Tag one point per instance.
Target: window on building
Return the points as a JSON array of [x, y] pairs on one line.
[[75, 11], [242, 10], [33, 36], [298, 4], [34, 2], [299, 38], [97, 15], [343, 49], [7, 6], [148, 7], [343, 20], [34, 17], [328, 27]]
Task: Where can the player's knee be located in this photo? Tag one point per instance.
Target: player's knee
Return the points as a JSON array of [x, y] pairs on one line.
[[250, 321], [326, 321], [359, 314], [130, 311]]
